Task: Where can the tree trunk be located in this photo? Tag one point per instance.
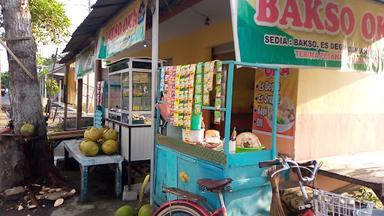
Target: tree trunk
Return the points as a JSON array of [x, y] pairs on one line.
[[13, 168], [25, 94]]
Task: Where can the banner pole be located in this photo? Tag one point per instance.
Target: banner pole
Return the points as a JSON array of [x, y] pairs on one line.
[[155, 59]]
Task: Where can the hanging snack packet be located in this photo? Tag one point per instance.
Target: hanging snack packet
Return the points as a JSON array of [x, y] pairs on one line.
[[206, 82], [198, 99], [210, 75], [178, 94], [192, 71], [217, 114], [162, 79], [171, 91]]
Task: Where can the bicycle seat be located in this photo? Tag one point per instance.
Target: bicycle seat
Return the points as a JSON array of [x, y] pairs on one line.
[[214, 185]]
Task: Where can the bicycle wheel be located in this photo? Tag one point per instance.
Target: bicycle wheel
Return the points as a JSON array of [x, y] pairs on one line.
[[181, 208]]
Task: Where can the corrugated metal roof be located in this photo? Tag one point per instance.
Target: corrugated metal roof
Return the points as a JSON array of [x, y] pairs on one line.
[[102, 11], [92, 23], [109, 3]]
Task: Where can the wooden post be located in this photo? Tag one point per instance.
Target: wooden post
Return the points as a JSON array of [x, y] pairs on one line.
[[66, 78], [61, 91], [98, 77], [87, 96], [79, 103], [98, 71]]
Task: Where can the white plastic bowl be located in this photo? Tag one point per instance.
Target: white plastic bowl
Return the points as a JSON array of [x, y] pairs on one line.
[[195, 136]]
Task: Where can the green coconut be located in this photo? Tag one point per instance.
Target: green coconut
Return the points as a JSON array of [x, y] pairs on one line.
[[89, 148], [27, 130], [110, 147], [145, 210], [92, 134], [125, 210], [110, 134]]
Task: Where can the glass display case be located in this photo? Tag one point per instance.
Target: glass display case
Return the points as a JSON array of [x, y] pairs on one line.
[[130, 96], [114, 102]]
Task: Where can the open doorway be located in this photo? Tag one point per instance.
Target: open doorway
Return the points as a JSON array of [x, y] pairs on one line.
[[243, 93]]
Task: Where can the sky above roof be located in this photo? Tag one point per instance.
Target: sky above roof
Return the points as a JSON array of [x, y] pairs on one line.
[[76, 11]]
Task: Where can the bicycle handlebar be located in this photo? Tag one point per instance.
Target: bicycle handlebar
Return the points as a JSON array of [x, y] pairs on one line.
[[269, 163], [307, 166], [291, 164]]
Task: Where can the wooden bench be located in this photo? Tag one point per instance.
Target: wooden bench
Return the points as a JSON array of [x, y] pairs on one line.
[[72, 146], [55, 138]]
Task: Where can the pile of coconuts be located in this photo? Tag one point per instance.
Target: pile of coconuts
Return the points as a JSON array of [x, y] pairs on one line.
[[99, 141]]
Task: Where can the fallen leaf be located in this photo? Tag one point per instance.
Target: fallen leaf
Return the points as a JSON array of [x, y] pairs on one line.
[[69, 194], [20, 207], [73, 191], [58, 202], [58, 189], [31, 206]]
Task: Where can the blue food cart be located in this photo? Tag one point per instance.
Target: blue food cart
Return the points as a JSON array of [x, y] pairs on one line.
[[181, 165]]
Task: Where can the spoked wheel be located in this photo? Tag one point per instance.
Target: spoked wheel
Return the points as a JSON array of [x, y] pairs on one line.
[[181, 208]]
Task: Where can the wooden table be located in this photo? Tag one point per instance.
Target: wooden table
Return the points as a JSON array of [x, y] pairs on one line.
[[72, 146], [365, 169]]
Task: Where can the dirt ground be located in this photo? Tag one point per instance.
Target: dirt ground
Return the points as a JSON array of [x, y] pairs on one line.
[[101, 199]]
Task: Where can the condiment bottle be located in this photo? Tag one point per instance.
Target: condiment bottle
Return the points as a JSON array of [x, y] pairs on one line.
[[232, 142]]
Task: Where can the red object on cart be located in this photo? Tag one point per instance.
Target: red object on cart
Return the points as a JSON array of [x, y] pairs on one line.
[[6, 131]]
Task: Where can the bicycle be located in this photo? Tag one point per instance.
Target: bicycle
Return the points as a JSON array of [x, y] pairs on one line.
[[189, 204], [319, 202]]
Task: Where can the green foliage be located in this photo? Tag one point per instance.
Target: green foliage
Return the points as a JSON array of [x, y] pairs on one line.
[[5, 79], [42, 61], [367, 194], [49, 22], [52, 87], [43, 72]]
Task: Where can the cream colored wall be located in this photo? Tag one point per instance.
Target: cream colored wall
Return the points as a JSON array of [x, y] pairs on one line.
[[89, 81], [193, 47], [338, 113]]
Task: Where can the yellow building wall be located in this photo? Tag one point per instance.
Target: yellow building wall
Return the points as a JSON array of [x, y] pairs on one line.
[[338, 113], [71, 86], [193, 47]]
